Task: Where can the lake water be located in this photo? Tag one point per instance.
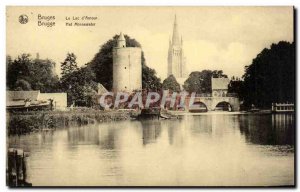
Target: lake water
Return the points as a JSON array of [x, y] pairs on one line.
[[203, 150]]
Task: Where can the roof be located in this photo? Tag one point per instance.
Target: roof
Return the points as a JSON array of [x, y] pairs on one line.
[[101, 89], [22, 95], [219, 83], [121, 37], [15, 103], [22, 103]]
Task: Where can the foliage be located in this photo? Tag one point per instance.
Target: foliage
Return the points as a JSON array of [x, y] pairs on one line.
[[42, 76], [103, 68], [78, 82], [200, 82], [22, 85], [171, 84], [25, 73], [236, 86], [149, 79], [271, 76], [69, 65]]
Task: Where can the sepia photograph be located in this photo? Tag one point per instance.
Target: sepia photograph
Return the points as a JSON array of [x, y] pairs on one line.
[[150, 96]]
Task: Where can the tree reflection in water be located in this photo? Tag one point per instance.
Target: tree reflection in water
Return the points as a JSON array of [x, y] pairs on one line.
[[275, 129]]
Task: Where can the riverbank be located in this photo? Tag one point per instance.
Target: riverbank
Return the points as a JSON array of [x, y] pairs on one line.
[[26, 122]]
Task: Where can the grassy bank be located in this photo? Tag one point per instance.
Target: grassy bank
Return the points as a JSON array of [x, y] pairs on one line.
[[26, 122]]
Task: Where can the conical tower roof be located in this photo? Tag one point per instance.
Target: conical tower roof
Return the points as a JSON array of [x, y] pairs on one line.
[[121, 37], [121, 40], [175, 38]]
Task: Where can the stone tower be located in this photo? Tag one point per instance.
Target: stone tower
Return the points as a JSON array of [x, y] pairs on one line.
[[127, 67], [176, 58]]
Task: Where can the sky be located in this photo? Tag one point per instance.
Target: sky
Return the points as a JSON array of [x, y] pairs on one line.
[[216, 38]]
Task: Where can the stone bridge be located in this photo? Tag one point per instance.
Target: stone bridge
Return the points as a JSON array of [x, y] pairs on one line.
[[212, 102]]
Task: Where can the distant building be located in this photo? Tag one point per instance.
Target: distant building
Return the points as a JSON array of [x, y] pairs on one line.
[[219, 86], [34, 100], [127, 67], [176, 58]]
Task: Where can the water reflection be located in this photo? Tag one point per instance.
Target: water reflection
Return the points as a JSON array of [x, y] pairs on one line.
[[83, 135], [197, 150], [276, 129], [200, 125], [151, 131], [107, 137]]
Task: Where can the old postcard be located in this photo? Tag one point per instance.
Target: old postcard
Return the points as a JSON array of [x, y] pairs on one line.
[[150, 96]]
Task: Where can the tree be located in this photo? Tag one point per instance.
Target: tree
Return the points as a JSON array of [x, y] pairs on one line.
[[80, 86], [18, 69], [68, 69], [24, 73], [85, 88], [236, 86], [22, 85], [43, 77], [102, 65], [200, 82], [171, 84], [69, 65], [271, 76], [150, 81]]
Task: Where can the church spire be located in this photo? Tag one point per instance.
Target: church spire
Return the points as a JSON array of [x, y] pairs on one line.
[[176, 58], [175, 38]]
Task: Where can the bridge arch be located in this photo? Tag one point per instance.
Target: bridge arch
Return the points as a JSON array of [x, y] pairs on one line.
[[223, 106], [200, 107]]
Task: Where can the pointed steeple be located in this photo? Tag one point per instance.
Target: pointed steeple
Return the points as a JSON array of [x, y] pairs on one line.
[[121, 40], [175, 38]]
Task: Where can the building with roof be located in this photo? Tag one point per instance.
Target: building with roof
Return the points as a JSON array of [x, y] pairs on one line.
[[24, 100], [219, 86], [34, 100], [219, 100], [22, 95]]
